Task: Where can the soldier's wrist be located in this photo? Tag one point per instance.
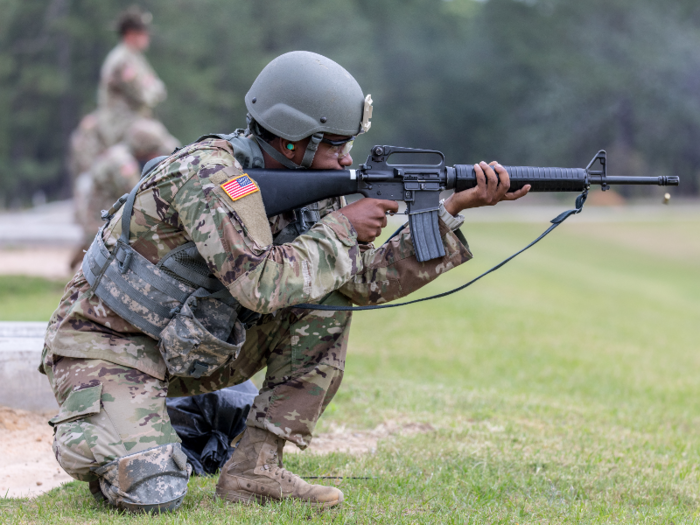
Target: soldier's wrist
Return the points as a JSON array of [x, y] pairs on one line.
[[453, 222]]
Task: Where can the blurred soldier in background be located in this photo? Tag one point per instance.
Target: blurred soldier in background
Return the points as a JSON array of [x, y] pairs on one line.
[[86, 143], [129, 88], [114, 173], [110, 143]]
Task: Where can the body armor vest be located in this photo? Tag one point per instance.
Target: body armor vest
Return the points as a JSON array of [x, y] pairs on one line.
[[198, 324]]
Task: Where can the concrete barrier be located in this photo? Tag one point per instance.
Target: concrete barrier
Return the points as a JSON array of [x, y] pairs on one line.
[[21, 384]]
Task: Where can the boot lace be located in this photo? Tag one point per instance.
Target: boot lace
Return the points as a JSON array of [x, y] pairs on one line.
[[273, 465]]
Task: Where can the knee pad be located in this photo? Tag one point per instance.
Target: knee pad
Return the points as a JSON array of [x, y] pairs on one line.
[[153, 480]]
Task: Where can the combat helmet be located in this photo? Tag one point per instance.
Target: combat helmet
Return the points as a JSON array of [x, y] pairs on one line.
[[303, 94], [148, 137]]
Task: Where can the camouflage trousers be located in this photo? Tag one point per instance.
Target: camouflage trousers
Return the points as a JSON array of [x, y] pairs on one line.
[[109, 410]]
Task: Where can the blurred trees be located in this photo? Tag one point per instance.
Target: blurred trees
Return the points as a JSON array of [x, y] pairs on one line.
[[543, 82]]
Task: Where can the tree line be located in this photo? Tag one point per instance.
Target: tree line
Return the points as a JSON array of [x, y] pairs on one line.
[[533, 82]]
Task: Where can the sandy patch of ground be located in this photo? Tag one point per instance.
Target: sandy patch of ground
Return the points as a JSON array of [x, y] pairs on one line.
[[28, 465], [341, 439], [51, 262]]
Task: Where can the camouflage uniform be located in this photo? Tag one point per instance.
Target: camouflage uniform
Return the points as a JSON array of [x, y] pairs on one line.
[[303, 350], [86, 144], [129, 88], [114, 173]]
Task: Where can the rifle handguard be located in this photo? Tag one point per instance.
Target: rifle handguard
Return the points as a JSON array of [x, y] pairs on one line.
[[419, 186]]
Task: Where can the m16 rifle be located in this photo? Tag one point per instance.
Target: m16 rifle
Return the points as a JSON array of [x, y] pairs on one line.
[[419, 186]]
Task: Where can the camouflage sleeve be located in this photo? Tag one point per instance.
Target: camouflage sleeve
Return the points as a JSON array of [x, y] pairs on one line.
[[263, 277], [153, 91], [112, 175], [392, 271], [137, 83]]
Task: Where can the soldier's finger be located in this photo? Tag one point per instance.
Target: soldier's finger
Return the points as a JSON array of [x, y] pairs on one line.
[[489, 172], [517, 194], [503, 180], [491, 178], [388, 206], [503, 176], [480, 178]]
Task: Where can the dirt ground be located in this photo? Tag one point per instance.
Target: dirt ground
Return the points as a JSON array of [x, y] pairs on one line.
[[29, 467], [341, 439], [51, 262]]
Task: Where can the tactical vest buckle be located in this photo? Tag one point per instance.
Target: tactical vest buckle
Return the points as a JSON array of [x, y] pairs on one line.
[[124, 265]]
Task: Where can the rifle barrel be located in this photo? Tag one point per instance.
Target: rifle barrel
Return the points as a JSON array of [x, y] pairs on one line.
[[283, 190], [663, 180], [556, 179]]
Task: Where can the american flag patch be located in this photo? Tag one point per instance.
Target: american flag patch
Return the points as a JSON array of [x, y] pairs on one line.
[[240, 187]]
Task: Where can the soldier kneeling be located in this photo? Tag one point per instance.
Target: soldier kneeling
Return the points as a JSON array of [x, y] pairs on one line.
[[189, 288]]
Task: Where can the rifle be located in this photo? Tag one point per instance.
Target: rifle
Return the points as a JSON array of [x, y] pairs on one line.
[[419, 186]]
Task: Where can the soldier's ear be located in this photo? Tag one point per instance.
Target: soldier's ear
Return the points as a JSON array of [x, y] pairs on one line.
[[288, 148]]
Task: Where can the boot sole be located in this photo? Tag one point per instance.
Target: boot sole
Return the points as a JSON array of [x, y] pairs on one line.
[[248, 498]]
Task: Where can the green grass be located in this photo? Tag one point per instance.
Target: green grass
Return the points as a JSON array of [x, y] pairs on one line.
[[28, 298], [563, 389]]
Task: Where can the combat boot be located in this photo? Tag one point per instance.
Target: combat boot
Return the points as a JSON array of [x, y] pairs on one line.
[[255, 474]]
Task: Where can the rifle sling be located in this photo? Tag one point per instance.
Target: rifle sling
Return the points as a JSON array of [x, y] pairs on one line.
[[580, 200]]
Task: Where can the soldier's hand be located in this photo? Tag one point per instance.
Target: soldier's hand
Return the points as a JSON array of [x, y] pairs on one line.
[[492, 184], [368, 217]]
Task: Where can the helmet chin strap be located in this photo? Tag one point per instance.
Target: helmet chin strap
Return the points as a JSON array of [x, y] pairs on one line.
[[311, 148], [309, 154]]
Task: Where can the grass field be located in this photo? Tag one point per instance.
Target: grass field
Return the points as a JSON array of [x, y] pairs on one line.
[[563, 388], [28, 298]]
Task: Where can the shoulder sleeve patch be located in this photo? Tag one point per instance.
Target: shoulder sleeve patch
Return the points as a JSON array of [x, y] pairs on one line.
[[251, 211], [239, 187]]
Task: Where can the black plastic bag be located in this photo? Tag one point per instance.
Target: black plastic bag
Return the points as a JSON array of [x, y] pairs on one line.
[[207, 423]]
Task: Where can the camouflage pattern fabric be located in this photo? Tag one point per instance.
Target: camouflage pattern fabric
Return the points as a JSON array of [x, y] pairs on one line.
[[189, 348], [114, 172], [107, 411], [304, 352], [86, 144], [129, 88], [148, 137], [153, 479], [112, 175], [392, 272]]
